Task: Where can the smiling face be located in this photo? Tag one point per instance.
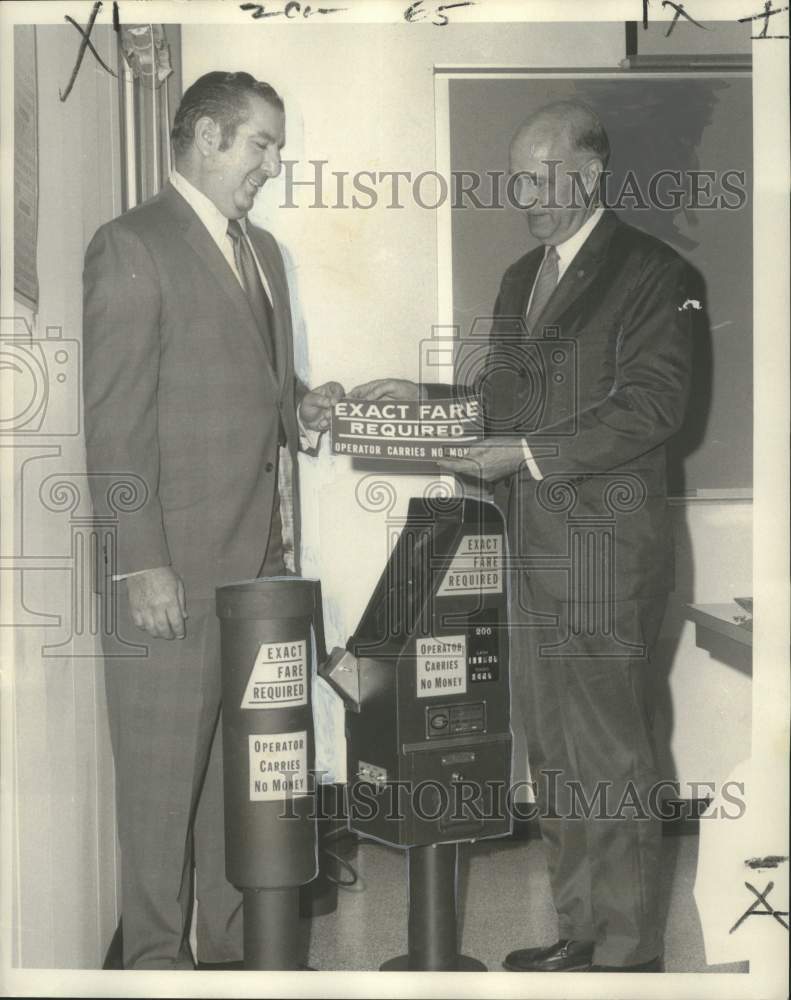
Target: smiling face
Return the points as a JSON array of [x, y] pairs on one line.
[[543, 162], [232, 177]]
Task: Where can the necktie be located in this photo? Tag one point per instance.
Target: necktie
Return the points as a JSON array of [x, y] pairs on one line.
[[256, 296], [254, 289], [545, 285]]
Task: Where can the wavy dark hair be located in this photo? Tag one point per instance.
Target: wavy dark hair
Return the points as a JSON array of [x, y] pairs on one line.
[[223, 97]]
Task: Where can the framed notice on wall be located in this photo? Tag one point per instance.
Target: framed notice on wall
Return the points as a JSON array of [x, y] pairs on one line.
[[25, 166]]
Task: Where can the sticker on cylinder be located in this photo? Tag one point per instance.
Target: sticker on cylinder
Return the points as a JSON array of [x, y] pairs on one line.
[[441, 666], [279, 676], [476, 567], [278, 765]]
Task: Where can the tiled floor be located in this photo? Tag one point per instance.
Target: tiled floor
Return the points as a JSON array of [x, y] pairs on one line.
[[505, 905]]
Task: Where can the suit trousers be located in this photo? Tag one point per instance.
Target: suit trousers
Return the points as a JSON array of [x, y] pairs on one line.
[[164, 715], [583, 678]]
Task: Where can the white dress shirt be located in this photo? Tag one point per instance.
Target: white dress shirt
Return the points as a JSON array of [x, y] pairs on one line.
[[566, 252], [217, 224]]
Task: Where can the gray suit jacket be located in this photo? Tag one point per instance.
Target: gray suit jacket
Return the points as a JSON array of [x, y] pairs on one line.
[[180, 397]]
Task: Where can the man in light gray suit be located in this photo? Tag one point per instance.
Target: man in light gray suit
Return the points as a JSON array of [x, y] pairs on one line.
[[190, 392]]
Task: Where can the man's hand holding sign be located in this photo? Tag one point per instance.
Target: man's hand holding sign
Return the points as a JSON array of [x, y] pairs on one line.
[[315, 410]]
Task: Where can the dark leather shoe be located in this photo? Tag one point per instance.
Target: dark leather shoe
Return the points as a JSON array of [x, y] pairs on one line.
[[562, 956], [652, 965]]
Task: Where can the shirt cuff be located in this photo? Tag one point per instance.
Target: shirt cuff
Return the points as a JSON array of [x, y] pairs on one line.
[[308, 439], [532, 467]]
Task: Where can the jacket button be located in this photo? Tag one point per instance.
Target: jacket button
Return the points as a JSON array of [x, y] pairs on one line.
[[269, 466]]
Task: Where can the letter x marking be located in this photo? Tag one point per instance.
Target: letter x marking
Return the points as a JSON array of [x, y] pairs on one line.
[[86, 43], [679, 9], [753, 911]]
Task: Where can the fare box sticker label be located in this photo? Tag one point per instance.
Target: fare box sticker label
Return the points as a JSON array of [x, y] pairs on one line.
[[279, 676], [476, 567], [278, 766], [441, 666], [422, 430]]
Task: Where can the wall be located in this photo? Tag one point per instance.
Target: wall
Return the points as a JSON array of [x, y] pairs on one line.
[[64, 835], [705, 704]]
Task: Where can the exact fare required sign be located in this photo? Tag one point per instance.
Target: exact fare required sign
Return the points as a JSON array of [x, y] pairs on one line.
[[414, 430]]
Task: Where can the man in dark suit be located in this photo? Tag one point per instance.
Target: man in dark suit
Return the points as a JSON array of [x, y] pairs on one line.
[[191, 398], [586, 378]]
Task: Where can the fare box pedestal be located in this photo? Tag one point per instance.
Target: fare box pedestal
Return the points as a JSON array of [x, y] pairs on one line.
[[426, 683]]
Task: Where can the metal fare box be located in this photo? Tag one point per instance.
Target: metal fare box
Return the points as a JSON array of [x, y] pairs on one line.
[[425, 680]]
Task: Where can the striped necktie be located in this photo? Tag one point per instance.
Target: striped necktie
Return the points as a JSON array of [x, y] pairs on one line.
[[545, 285], [253, 287]]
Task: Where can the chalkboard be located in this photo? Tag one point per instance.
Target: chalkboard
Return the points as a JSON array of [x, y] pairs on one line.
[[691, 122]]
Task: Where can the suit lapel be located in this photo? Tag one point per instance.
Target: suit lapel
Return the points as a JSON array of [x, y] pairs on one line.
[[280, 301], [515, 293], [582, 271], [530, 274], [197, 236]]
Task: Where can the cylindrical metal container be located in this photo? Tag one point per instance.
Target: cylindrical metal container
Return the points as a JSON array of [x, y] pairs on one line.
[[268, 628]]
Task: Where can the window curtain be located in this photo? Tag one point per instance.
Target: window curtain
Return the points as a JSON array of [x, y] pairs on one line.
[[150, 91]]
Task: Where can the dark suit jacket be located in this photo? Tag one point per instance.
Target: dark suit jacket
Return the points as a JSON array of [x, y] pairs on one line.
[[180, 394], [597, 389]]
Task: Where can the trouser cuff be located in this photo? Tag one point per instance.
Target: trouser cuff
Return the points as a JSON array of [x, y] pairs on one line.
[[604, 955]]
